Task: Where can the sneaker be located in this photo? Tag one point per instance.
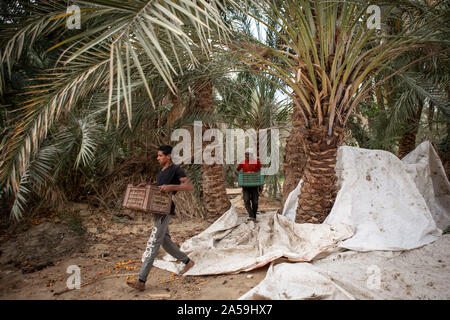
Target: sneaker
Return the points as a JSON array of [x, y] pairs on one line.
[[188, 266], [251, 219], [138, 285]]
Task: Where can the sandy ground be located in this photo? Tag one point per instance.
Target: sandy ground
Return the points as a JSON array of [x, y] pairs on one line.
[[110, 253]]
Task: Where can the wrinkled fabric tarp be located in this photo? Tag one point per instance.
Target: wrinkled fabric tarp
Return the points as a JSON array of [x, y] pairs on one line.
[[232, 244], [425, 167], [390, 204], [422, 273], [296, 281], [290, 205], [381, 201]]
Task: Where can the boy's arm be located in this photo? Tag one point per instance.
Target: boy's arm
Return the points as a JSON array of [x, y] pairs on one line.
[[185, 185]]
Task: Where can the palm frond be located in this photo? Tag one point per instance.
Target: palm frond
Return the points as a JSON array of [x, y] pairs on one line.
[[126, 45], [326, 54], [39, 175]]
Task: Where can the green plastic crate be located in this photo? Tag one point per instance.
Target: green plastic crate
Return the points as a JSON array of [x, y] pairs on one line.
[[250, 179]]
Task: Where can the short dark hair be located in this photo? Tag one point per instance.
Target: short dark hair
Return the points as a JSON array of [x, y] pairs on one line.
[[166, 149]]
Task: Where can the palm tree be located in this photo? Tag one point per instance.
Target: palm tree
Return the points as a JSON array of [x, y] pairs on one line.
[[295, 157], [79, 159], [196, 102], [327, 57], [214, 197], [250, 102], [324, 54], [423, 85], [265, 89], [122, 48]]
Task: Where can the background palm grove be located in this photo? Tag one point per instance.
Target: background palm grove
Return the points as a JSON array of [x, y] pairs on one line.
[[83, 110]]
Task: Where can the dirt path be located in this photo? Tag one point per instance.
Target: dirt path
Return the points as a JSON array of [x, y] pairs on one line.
[[110, 253]]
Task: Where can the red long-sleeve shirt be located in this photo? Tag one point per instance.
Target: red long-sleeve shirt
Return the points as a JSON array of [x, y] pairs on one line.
[[250, 166]]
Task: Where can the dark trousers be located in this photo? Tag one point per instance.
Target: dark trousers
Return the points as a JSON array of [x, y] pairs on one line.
[[251, 195]]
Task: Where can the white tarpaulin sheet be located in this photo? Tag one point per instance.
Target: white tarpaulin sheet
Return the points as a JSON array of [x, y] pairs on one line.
[[232, 244], [425, 167], [422, 273], [391, 204], [381, 201], [296, 281], [290, 205]]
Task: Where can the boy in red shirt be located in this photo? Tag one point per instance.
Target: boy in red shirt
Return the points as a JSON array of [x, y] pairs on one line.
[[250, 194]]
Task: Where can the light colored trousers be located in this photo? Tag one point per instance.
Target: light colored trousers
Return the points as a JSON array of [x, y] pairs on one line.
[[159, 236]]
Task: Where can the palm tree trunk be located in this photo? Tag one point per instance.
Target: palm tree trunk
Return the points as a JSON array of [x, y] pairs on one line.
[[214, 196], [318, 191], [294, 156], [407, 142], [177, 109], [185, 202], [380, 97]]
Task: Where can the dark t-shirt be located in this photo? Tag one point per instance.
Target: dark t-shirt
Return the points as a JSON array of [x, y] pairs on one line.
[[170, 175]]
